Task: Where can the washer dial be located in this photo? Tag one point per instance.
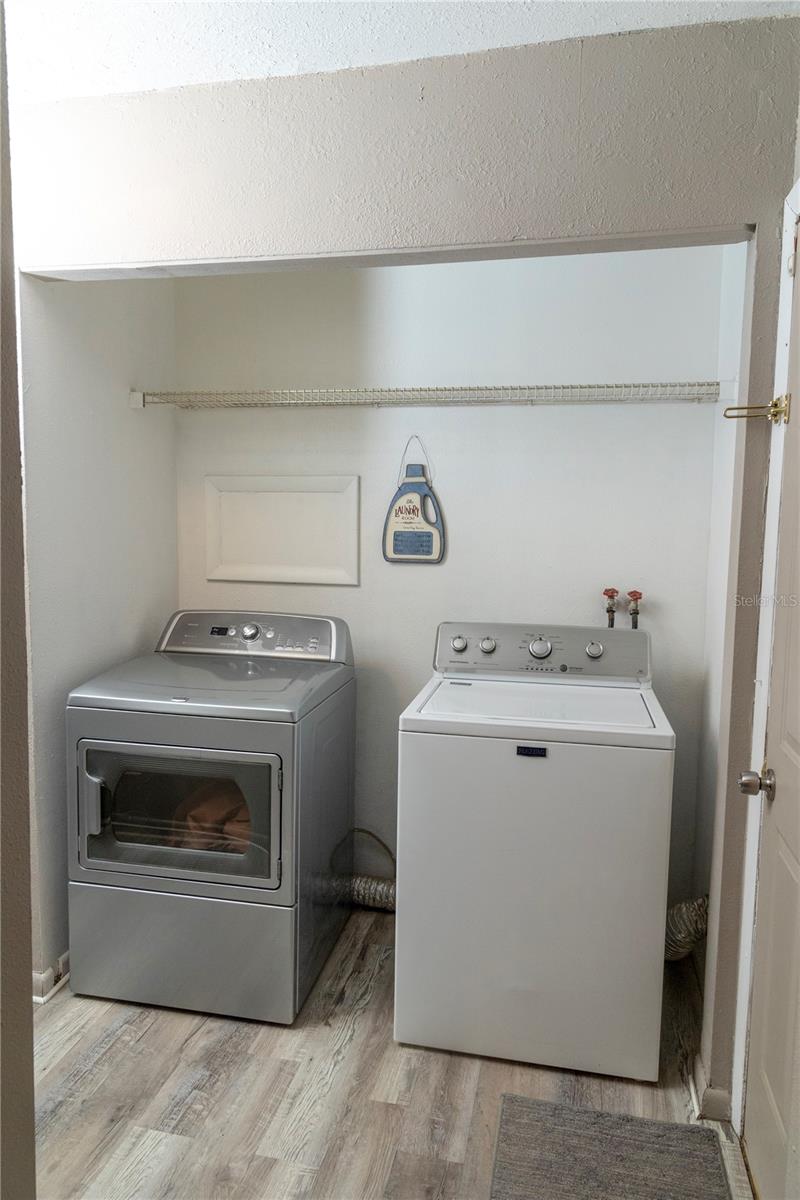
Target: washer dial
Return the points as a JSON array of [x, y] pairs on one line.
[[488, 645], [540, 647], [459, 643], [595, 649], [250, 632]]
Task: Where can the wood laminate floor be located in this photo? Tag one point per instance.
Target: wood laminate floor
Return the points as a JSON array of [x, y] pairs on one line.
[[139, 1103]]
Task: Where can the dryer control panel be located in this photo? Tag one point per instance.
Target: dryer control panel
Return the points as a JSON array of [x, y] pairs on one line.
[[257, 634], [544, 652]]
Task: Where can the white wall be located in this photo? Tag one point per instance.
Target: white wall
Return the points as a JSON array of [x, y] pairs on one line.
[[100, 524], [544, 507], [93, 47], [574, 319], [567, 140]]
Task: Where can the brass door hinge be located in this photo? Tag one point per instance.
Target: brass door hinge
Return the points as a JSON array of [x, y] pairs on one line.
[[777, 411]]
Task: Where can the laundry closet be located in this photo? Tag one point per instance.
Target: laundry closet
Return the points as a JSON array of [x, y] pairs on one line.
[[232, 441]]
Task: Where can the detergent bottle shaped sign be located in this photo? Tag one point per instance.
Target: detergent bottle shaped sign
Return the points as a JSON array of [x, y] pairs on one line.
[[414, 529]]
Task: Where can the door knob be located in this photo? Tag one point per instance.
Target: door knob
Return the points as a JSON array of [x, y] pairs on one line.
[[751, 783]]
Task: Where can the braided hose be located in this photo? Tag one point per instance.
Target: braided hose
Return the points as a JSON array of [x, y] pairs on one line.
[[687, 922]]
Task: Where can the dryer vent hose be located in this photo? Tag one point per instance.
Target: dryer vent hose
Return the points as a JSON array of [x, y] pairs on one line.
[[686, 926], [366, 891], [687, 923], [372, 891]]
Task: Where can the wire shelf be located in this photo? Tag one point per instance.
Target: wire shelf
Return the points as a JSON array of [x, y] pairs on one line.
[[703, 392]]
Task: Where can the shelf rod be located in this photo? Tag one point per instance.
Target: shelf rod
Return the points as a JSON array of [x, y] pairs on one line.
[[703, 392]]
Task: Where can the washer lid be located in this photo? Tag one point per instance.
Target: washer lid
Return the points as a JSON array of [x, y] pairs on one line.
[[214, 685], [555, 711]]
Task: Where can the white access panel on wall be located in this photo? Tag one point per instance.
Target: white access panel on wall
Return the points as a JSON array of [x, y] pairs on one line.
[[282, 528]]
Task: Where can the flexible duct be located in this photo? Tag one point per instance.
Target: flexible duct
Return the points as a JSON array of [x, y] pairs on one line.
[[366, 891], [372, 891], [687, 923]]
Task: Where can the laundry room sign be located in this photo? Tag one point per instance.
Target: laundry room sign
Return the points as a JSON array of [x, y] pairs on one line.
[[414, 529]]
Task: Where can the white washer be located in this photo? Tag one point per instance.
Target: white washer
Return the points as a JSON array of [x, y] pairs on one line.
[[534, 808]]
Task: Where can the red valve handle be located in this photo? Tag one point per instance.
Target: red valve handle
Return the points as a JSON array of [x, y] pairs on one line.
[[612, 593], [634, 595]]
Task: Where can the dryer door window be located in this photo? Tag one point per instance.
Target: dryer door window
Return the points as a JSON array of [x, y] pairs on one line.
[[198, 814]]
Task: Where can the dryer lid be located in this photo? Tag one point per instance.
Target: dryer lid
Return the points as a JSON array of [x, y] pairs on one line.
[[214, 685]]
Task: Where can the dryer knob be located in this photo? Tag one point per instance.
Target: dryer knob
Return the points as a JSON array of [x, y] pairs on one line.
[[250, 632], [595, 649], [540, 647], [459, 643]]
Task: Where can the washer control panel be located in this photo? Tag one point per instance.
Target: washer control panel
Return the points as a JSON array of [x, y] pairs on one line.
[[267, 635], [544, 651]]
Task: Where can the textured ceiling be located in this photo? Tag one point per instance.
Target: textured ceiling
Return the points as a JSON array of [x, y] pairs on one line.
[[90, 47]]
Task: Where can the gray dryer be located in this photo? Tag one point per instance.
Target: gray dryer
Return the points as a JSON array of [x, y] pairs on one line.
[[210, 791]]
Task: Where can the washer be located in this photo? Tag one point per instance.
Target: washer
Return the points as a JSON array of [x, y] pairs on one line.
[[210, 789], [534, 807]]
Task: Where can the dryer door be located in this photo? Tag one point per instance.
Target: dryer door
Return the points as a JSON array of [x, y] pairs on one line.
[[180, 813]]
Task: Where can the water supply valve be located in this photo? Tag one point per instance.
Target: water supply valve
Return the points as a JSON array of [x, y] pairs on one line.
[[633, 607], [611, 594]]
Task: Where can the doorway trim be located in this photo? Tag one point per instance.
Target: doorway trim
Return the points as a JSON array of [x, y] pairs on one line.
[[714, 1071]]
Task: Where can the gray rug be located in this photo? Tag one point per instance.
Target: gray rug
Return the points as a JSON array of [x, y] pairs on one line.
[[555, 1152]]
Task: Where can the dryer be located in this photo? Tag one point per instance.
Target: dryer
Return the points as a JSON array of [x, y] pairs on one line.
[[535, 786], [210, 792]]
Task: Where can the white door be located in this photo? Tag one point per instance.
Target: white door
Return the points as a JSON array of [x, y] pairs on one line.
[[772, 1102]]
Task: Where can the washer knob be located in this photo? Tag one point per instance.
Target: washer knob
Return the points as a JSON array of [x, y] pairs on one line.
[[595, 649], [459, 643], [540, 647], [250, 632], [488, 645]]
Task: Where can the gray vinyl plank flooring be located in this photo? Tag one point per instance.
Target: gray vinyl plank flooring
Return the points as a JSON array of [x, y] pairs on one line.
[[135, 1103]]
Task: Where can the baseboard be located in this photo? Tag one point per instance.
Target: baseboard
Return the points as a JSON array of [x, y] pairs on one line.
[[713, 1104], [47, 983]]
